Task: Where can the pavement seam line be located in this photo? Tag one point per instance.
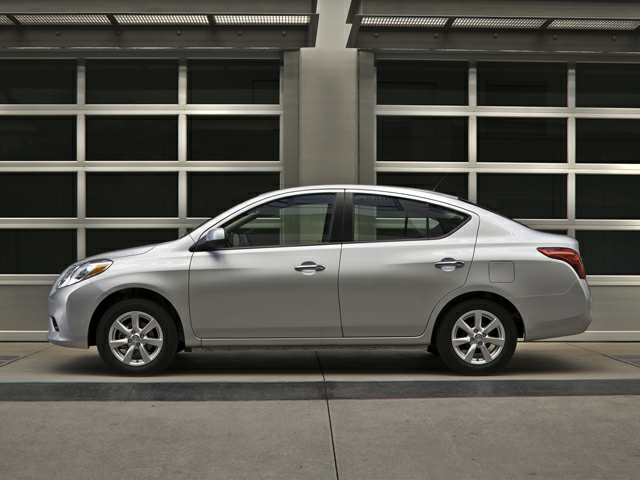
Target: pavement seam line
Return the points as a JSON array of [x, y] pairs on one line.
[[27, 356], [326, 397]]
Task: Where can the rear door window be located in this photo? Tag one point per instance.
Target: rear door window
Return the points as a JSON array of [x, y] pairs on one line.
[[381, 218]]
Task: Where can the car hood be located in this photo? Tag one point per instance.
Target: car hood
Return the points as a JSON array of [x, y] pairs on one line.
[[127, 252]]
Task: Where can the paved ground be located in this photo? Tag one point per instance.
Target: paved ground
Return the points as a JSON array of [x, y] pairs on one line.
[[559, 410]]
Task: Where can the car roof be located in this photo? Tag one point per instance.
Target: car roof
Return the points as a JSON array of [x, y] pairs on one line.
[[380, 188]]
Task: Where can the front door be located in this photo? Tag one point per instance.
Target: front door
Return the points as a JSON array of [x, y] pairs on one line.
[[277, 278]]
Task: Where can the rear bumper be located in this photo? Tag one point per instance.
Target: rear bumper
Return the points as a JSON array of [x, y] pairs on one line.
[[551, 316]]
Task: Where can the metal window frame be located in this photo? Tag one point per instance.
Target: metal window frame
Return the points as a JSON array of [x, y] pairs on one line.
[[286, 110], [370, 110]]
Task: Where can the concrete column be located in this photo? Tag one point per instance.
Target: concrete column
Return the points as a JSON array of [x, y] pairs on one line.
[[329, 102]]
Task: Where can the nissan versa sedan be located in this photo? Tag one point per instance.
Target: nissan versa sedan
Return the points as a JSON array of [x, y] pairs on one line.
[[329, 266]]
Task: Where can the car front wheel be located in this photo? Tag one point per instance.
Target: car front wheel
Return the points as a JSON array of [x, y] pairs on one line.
[[137, 337], [477, 337]]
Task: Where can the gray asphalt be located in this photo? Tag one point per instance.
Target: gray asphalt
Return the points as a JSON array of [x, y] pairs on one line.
[[559, 410]]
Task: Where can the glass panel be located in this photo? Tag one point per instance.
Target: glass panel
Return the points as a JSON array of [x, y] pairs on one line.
[[37, 138], [451, 183], [528, 84], [35, 251], [132, 138], [38, 81], [607, 141], [610, 253], [148, 194], [380, 218], [536, 140], [210, 194], [422, 83], [423, 139], [132, 81], [301, 220], [443, 221], [233, 81], [608, 197], [524, 195], [234, 138], [607, 85], [107, 240], [38, 195]]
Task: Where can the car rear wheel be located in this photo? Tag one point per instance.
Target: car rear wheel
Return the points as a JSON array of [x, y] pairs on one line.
[[137, 337], [477, 337]]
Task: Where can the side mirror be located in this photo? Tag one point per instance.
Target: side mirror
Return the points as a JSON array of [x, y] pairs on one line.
[[214, 239]]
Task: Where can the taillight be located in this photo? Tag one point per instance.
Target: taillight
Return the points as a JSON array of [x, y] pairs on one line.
[[567, 255]]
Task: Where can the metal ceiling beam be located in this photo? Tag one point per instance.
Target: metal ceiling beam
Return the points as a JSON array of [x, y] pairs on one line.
[[159, 6], [498, 8], [155, 37], [452, 41]]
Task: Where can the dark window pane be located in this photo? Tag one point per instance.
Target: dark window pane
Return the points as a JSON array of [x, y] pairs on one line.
[[132, 194], [443, 221], [38, 81], [132, 81], [106, 240], [607, 85], [610, 253], [210, 194], [556, 232], [423, 139], [234, 138], [37, 138], [35, 251], [451, 183], [301, 220], [524, 196], [234, 81], [378, 218], [528, 84], [132, 138], [607, 141], [38, 194], [536, 140], [422, 83], [608, 196]]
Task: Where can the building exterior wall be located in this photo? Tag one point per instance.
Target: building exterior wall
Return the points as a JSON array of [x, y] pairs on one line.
[[327, 116]]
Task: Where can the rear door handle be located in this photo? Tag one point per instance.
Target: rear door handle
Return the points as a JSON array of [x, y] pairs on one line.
[[449, 264], [306, 266]]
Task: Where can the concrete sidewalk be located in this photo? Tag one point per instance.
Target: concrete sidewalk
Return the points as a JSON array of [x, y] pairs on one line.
[[559, 410], [43, 362]]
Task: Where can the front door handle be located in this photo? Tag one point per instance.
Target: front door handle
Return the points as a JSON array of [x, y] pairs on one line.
[[309, 267], [449, 264]]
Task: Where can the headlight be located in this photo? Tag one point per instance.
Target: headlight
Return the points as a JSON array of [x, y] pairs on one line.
[[82, 272]]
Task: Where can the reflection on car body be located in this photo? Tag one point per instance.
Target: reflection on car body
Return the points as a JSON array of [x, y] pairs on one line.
[[323, 266]]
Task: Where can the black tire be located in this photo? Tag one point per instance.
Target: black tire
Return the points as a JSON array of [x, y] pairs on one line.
[[477, 337], [137, 350]]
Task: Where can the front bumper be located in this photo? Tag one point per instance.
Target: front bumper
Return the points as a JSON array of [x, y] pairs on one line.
[[71, 309]]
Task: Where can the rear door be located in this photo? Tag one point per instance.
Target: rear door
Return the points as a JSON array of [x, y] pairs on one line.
[[401, 256]]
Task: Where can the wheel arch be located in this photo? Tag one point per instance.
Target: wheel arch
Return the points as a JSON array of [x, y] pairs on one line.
[[131, 293], [480, 295]]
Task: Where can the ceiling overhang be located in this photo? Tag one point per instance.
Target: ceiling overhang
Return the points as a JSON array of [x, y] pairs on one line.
[[285, 25], [494, 27]]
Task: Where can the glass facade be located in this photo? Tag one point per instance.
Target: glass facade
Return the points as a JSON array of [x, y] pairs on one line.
[[547, 143], [128, 152]]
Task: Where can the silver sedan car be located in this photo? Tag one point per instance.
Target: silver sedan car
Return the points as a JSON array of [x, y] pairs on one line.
[[329, 266]]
